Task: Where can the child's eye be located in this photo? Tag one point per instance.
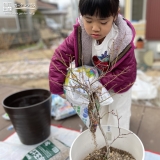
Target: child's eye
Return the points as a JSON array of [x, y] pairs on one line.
[[88, 21], [103, 23]]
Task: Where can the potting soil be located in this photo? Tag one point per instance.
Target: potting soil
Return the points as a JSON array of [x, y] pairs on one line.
[[115, 154]]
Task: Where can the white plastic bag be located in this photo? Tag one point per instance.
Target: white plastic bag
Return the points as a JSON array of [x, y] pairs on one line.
[[143, 87], [79, 83]]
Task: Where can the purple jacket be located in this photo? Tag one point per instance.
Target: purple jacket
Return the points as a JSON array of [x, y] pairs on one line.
[[122, 71]]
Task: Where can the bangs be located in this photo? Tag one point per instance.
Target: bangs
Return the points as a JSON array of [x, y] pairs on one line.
[[100, 8]]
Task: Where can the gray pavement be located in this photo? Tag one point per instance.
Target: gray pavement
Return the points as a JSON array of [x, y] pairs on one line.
[[145, 121]]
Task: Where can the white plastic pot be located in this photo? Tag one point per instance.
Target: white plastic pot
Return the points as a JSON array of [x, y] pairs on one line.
[[83, 144]]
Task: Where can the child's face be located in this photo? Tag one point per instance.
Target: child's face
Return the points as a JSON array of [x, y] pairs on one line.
[[97, 27]]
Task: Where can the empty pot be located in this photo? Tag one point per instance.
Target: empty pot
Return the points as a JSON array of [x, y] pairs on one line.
[[30, 113]]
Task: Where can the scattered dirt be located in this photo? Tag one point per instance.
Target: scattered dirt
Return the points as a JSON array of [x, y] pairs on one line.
[[9, 59], [115, 154], [153, 73], [20, 55], [26, 83]]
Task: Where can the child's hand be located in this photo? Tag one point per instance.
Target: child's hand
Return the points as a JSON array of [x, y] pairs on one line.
[[63, 96]]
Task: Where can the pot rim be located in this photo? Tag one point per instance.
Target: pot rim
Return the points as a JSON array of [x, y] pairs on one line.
[[113, 127], [18, 108]]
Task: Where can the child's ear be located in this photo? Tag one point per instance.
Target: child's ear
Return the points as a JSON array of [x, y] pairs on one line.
[[115, 18], [119, 10]]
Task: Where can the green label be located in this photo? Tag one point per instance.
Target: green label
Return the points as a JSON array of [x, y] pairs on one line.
[[43, 152]]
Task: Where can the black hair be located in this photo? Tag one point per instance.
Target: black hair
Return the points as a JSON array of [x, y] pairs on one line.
[[101, 8]]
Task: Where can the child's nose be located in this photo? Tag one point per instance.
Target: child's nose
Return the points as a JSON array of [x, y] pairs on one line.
[[95, 28]]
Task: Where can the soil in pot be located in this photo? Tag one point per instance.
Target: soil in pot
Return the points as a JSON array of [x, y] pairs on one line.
[[115, 154]]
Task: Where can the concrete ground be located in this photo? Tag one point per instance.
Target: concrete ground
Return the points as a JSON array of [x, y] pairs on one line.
[[145, 121]]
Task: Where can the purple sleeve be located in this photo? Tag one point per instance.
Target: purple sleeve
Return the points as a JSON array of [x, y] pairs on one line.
[[60, 61], [122, 74]]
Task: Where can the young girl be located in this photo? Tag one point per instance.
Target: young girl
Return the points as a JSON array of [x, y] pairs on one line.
[[104, 39]]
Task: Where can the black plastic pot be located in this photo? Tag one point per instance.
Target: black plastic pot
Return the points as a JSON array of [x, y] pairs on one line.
[[29, 112]]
